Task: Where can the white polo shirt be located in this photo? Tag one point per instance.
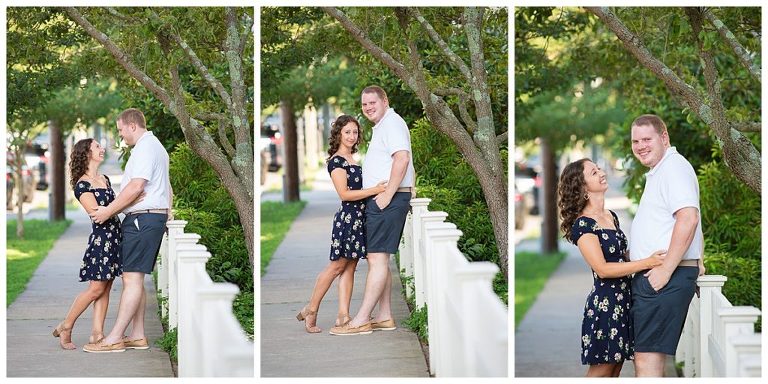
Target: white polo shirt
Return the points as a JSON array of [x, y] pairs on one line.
[[390, 135], [149, 161], [669, 186]]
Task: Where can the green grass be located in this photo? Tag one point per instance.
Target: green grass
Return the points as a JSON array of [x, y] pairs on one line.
[[276, 219], [24, 255], [531, 273]]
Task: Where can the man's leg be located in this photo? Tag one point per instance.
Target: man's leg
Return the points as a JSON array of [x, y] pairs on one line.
[[137, 322], [649, 364], [133, 287], [385, 300], [375, 283]]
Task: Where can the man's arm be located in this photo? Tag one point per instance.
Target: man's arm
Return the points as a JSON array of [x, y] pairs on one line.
[[400, 160], [686, 221], [131, 191]]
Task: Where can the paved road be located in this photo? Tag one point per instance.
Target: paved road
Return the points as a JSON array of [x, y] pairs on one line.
[[33, 352], [286, 349], [548, 338]]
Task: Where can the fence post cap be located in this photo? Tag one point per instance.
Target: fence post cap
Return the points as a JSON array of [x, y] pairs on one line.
[[176, 223], [478, 270], [711, 280], [739, 314], [226, 290], [434, 216], [420, 202], [449, 233]]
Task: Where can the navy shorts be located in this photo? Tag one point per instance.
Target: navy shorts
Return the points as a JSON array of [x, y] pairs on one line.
[[384, 227], [142, 236], [659, 317]]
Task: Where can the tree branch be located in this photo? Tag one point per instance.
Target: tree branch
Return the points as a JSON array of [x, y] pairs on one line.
[[121, 57], [747, 126], [242, 161], [453, 58], [126, 20], [738, 49], [223, 138], [636, 47], [359, 35], [247, 32], [501, 139], [485, 135], [463, 100], [214, 83]]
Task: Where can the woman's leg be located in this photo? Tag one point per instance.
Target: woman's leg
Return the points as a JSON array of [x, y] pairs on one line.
[[100, 307], [617, 369], [346, 284], [324, 280], [601, 370], [82, 301]]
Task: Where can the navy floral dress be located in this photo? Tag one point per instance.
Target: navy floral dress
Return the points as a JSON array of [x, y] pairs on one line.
[[348, 234], [606, 331], [102, 260]]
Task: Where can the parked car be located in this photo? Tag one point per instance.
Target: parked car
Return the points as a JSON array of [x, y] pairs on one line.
[[528, 180], [520, 207], [37, 161], [271, 140], [10, 184]]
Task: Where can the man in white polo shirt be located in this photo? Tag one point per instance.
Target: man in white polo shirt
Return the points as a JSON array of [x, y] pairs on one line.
[[147, 171], [667, 218], [389, 158]]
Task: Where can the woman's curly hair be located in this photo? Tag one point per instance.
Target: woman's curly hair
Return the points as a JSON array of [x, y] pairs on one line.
[[570, 195], [335, 139], [78, 160]]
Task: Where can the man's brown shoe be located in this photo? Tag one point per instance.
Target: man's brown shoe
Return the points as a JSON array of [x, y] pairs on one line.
[[386, 325], [104, 348], [136, 344], [347, 330]]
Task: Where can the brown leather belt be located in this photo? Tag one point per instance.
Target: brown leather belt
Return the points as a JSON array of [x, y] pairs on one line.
[[404, 189], [163, 211], [689, 263]]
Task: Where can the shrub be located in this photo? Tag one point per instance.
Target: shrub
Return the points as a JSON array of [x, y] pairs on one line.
[[730, 219], [201, 200], [445, 177]]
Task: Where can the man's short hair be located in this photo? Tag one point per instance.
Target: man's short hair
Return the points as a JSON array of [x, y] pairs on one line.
[[375, 89], [652, 120], [133, 116]]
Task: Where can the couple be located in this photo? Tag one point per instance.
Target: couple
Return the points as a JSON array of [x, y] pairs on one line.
[[375, 202], [638, 317], [114, 249]]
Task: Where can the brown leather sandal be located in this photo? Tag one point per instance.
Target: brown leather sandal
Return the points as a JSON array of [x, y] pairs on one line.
[[59, 331], [304, 315]]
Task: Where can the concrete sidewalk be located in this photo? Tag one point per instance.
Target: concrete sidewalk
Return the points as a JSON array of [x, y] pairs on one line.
[[548, 338], [31, 349], [286, 349]]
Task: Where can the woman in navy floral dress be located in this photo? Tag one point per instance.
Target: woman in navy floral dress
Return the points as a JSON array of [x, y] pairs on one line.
[[348, 232], [606, 330], [101, 262]]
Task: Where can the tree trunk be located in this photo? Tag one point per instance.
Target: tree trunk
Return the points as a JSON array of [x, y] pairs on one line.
[[58, 161], [290, 142], [549, 230], [20, 184]]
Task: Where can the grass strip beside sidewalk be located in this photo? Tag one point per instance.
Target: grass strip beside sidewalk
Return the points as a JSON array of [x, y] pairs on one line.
[[276, 220], [24, 255], [532, 270]]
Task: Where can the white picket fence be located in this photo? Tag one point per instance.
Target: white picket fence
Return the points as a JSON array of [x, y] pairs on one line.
[[211, 342], [467, 322], [719, 340]]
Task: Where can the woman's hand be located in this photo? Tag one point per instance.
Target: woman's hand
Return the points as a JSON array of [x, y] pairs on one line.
[[656, 259], [380, 187]]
